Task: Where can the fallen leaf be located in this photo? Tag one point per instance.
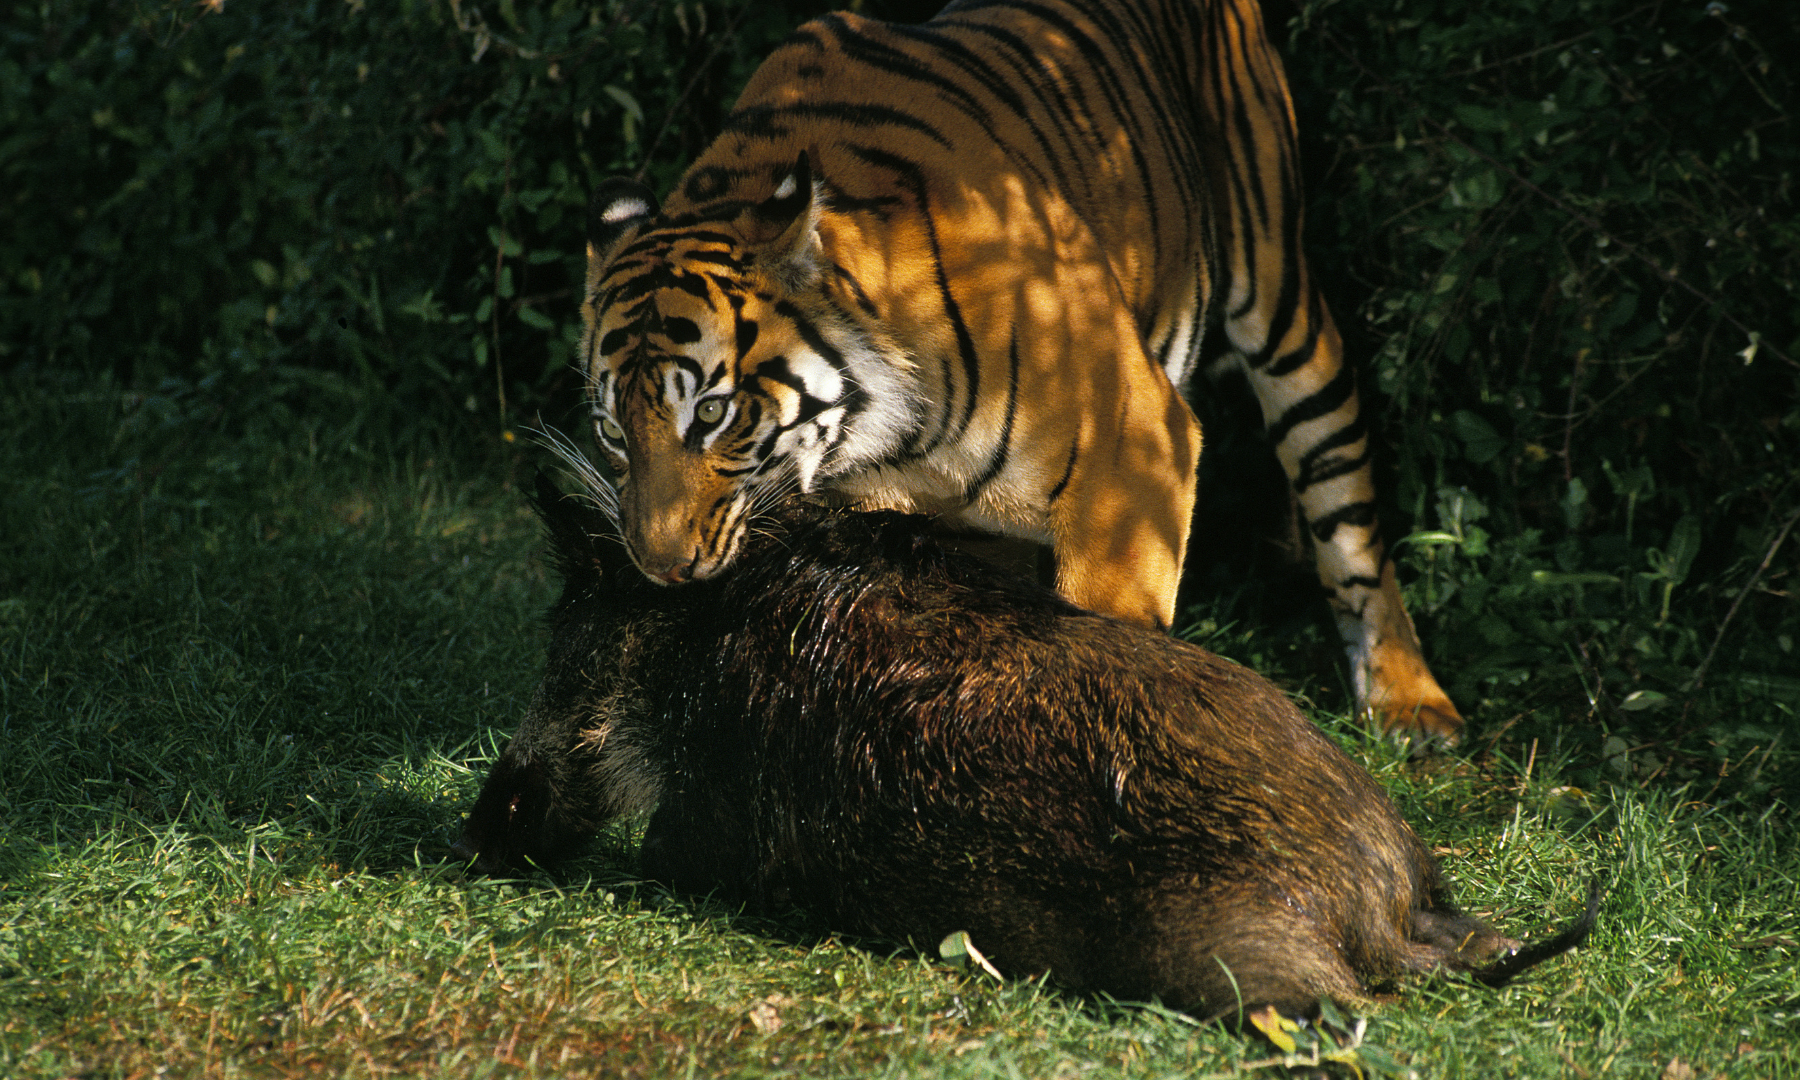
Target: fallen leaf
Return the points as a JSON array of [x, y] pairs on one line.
[[956, 949], [765, 1015], [1277, 1028]]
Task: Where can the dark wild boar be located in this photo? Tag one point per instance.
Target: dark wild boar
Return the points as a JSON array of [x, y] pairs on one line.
[[906, 743]]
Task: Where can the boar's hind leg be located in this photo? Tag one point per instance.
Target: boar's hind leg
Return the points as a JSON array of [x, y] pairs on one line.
[[1259, 954], [1454, 941]]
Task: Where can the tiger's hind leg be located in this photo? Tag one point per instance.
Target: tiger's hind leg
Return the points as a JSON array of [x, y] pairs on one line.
[[1279, 326], [1309, 402]]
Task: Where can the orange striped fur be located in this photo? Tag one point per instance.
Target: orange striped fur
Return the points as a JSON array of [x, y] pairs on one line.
[[964, 268]]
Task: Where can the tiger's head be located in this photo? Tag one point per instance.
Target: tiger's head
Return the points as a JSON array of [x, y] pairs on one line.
[[719, 372]]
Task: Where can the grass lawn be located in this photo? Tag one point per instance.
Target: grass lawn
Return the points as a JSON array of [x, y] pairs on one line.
[[251, 679]]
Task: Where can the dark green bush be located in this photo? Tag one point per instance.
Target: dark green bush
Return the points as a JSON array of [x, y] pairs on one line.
[[1560, 236], [1566, 236], [376, 204]]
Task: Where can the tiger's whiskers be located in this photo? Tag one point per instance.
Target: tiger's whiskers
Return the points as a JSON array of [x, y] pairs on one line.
[[590, 482]]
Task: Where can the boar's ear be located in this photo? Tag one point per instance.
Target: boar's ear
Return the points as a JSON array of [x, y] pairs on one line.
[[583, 539]]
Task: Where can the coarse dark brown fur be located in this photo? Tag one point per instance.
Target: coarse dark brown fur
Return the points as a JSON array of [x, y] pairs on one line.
[[907, 743]]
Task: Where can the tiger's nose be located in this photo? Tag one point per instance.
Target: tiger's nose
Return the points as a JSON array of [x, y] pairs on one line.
[[677, 572]]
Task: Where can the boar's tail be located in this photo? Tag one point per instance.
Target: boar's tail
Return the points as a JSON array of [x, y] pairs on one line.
[[1502, 971]]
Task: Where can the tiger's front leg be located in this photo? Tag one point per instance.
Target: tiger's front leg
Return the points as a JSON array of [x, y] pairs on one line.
[[1080, 438], [1121, 529], [1120, 514]]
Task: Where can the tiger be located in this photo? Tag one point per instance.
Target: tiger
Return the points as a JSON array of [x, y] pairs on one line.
[[966, 268]]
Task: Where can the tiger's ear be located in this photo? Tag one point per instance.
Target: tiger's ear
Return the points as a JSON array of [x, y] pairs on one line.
[[618, 211], [783, 229]]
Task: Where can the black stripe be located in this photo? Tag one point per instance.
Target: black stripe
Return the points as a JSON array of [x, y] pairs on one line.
[[1331, 471], [883, 57], [838, 202], [711, 181], [997, 460], [614, 340], [1358, 514], [699, 236], [1155, 124], [1300, 357], [726, 529], [1281, 316], [685, 363], [1068, 471], [711, 213], [1111, 87], [679, 330], [856, 291], [913, 178], [1060, 100], [653, 250], [767, 447], [717, 258], [660, 277], [768, 121], [719, 375], [1325, 400], [1240, 167], [854, 399], [1002, 87], [1247, 179], [1312, 467], [746, 336], [775, 369], [810, 334]]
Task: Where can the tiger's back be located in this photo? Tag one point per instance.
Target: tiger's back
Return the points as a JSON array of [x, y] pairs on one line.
[[962, 268]]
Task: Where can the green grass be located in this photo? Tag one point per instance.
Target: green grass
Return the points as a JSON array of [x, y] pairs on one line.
[[250, 679]]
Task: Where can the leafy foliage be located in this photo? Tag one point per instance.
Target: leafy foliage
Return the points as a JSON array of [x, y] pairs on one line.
[[1561, 238], [378, 205], [1567, 236]]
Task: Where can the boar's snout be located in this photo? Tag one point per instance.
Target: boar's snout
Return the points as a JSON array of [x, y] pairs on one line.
[[467, 850], [508, 826]]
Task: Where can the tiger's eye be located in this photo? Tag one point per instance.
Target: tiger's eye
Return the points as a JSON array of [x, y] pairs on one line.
[[611, 429], [710, 410]]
